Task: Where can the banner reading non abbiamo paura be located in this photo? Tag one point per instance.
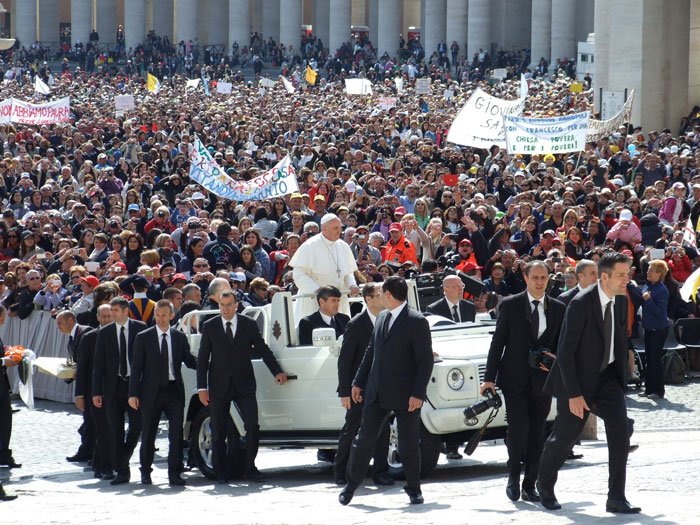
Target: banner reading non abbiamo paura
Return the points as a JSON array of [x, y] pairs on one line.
[[276, 182], [529, 136], [15, 110]]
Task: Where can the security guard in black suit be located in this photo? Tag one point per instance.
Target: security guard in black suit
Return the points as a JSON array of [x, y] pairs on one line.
[[6, 458], [357, 335], [527, 321], [328, 298]]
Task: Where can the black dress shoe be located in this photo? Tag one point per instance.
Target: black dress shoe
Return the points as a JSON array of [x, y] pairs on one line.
[[97, 474], [345, 497], [119, 479], [415, 495], [513, 488], [223, 480], [4, 496], [340, 480], [10, 462], [572, 455], [382, 478], [633, 448], [621, 507], [146, 479], [548, 499], [108, 475], [530, 494], [254, 475], [177, 480], [77, 459]]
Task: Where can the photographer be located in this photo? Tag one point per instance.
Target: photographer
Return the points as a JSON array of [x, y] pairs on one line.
[[526, 337]]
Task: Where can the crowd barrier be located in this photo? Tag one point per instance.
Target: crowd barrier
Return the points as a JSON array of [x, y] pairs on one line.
[[39, 333]]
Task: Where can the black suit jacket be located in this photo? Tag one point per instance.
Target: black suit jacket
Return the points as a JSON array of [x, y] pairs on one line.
[[399, 366], [467, 312], [313, 321], [355, 340], [145, 367], [86, 357], [568, 295], [218, 361], [4, 379], [581, 346], [507, 362], [74, 345], [106, 362]]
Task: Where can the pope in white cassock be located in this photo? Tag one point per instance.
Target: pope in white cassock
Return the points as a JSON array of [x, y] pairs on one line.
[[323, 260]]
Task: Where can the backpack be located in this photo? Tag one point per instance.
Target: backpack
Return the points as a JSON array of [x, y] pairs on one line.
[[674, 368]]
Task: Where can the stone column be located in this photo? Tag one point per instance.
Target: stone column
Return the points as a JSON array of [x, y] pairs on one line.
[[563, 29], [238, 23], [456, 27], [339, 24], [24, 22], [585, 17], [186, 20], [389, 22], [290, 24], [517, 35], [694, 69], [257, 13], [162, 14], [218, 22], [541, 33], [106, 16], [321, 21], [48, 21], [271, 20], [134, 23], [80, 21], [434, 26], [373, 21], [478, 28], [602, 49]]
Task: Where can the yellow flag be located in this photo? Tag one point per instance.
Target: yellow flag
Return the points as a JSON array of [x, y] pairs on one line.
[[153, 84], [311, 76], [576, 87]]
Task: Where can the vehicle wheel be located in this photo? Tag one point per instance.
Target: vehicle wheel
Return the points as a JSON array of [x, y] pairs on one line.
[[201, 446], [429, 451]]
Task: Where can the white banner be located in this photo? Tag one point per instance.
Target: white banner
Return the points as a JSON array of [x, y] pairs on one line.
[[267, 82], [500, 73], [597, 129], [35, 114], [224, 87], [124, 102], [386, 103], [280, 180], [480, 122], [287, 85], [358, 86], [530, 136], [423, 86]]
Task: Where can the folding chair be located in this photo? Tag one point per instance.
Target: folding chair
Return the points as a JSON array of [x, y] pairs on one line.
[[687, 334]]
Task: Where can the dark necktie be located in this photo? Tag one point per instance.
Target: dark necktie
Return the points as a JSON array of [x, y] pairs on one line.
[[229, 332], [333, 324], [535, 320], [164, 362], [386, 325], [455, 314], [607, 335], [123, 370], [70, 346]]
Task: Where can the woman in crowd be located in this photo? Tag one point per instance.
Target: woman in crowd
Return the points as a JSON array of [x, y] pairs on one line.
[[656, 325]]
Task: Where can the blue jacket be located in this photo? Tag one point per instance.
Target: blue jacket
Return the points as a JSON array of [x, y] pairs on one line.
[[654, 309]]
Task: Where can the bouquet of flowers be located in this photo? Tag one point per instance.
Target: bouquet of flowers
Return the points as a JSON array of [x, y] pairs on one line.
[[23, 357]]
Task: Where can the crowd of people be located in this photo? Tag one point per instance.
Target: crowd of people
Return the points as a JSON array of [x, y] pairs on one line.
[[103, 205]]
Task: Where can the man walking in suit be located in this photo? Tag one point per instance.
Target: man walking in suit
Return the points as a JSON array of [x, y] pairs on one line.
[[225, 374], [6, 458], [527, 322], [68, 325], [156, 387], [393, 376], [102, 457], [586, 275], [453, 305], [357, 335], [114, 352], [328, 298], [589, 375]]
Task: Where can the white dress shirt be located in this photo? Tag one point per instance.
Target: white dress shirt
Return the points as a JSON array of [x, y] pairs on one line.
[[169, 341], [540, 311], [604, 300], [395, 313], [451, 306], [234, 324], [126, 335]]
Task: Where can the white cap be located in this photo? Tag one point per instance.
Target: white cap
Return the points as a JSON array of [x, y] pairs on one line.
[[328, 217], [626, 215], [197, 195], [350, 186]]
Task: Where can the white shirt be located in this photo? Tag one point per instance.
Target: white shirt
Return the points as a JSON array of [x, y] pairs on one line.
[[75, 329], [372, 317], [604, 300], [169, 342], [326, 318], [126, 335], [395, 313], [451, 306], [234, 324], [540, 310]]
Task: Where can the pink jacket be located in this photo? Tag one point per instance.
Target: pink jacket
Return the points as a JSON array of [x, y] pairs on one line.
[[630, 234]]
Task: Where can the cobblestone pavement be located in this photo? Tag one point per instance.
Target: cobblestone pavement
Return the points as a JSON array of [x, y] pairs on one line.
[[662, 479]]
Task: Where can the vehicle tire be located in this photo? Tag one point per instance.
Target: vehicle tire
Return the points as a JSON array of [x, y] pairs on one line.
[[430, 445], [201, 446]]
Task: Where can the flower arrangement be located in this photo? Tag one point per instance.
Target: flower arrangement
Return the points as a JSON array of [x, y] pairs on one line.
[[16, 353]]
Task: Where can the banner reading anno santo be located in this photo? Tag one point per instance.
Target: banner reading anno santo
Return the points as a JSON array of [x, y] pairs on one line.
[[529, 136], [276, 182]]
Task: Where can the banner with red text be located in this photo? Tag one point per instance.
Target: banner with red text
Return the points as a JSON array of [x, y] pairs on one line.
[[15, 110]]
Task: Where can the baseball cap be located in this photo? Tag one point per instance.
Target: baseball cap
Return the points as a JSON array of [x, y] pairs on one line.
[[120, 265], [178, 277], [133, 207], [363, 228], [625, 215], [295, 196], [549, 232], [91, 280], [237, 276], [197, 195], [678, 185], [395, 227], [400, 211], [319, 198], [465, 242]]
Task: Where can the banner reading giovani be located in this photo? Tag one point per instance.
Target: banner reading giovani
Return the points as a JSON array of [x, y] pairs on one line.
[[276, 182], [530, 136]]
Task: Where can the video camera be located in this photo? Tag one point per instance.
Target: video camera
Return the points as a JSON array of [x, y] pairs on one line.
[[429, 285]]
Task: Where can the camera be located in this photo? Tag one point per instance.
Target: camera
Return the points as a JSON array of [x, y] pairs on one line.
[[539, 357], [492, 401]]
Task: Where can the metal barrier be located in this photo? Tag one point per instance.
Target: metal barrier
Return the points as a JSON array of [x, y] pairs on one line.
[[39, 333]]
